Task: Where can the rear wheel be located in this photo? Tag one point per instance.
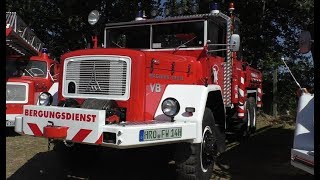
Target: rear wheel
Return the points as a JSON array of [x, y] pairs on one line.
[[253, 111], [195, 161], [250, 117]]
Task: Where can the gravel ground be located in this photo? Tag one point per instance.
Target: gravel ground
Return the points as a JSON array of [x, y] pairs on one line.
[[265, 155]]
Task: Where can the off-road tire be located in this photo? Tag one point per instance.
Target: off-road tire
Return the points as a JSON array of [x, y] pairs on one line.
[[188, 157], [253, 113], [250, 117]]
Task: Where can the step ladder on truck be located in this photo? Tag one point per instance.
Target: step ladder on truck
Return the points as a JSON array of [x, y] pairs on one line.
[[30, 72], [20, 39]]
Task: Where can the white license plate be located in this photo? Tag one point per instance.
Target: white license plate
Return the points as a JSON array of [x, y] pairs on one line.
[[157, 134], [9, 123]]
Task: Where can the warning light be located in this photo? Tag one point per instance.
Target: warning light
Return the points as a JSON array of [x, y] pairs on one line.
[[140, 14], [231, 7], [44, 50], [214, 8]]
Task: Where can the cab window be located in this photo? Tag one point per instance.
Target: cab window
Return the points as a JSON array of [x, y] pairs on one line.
[[217, 35]]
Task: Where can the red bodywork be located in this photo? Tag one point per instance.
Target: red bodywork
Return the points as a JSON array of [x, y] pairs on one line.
[[155, 67], [36, 84], [186, 66]]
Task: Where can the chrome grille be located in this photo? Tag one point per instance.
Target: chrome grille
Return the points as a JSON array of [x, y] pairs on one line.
[[101, 77], [16, 93]]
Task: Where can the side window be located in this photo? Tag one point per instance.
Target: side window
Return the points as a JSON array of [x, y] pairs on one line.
[[217, 35]]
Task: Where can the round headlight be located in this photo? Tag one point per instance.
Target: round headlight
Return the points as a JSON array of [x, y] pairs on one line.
[[93, 17], [170, 107], [45, 99]]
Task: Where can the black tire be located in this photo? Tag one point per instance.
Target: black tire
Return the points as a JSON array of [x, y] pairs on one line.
[[253, 113], [195, 161], [249, 125]]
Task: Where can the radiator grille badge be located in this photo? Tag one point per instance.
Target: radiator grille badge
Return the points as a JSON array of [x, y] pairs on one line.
[[93, 86]]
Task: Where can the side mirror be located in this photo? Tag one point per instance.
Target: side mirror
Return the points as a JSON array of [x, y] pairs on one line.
[[235, 42]]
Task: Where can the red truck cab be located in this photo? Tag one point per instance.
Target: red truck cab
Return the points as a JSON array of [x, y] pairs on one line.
[[26, 79], [28, 71]]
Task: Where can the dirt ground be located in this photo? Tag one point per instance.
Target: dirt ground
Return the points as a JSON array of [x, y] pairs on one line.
[[265, 155]]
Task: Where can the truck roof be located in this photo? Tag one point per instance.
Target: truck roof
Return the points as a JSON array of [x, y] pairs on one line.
[[169, 19]]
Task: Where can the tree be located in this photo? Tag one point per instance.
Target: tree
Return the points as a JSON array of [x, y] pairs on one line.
[[269, 29]]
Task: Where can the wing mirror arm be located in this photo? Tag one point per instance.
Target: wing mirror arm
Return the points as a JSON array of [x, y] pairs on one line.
[[233, 45]]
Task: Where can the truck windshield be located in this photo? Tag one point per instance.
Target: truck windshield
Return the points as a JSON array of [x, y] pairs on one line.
[[183, 35], [35, 68], [137, 37], [20, 67], [11, 68], [169, 35]]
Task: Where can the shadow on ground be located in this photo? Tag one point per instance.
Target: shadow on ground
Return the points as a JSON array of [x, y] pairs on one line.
[[266, 155], [10, 132], [129, 164]]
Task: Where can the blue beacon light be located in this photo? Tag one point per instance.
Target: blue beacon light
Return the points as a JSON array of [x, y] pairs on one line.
[[44, 50], [214, 8], [139, 15]]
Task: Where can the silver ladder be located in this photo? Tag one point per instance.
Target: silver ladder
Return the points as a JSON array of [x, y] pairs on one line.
[[19, 37]]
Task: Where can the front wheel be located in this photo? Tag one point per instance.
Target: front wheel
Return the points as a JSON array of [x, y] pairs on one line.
[[195, 161]]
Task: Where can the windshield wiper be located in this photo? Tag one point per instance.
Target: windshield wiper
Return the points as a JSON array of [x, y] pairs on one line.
[[177, 48], [28, 72], [116, 44]]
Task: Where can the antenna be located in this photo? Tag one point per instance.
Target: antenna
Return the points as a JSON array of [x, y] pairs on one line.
[[282, 58]]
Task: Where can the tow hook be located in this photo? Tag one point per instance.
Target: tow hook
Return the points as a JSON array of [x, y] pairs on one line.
[[52, 131], [50, 141], [68, 144]]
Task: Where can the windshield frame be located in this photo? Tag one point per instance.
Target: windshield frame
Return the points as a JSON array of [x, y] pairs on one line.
[[151, 24], [46, 69], [20, 65]]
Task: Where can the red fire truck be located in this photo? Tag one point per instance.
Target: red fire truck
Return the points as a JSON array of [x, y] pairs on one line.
[[175, 80], [29, 72]]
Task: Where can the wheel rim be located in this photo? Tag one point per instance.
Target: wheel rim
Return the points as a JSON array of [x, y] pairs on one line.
[[207, 149]]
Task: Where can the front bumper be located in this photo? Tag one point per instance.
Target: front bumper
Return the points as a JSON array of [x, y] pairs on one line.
[[96, 132], [10, 119]]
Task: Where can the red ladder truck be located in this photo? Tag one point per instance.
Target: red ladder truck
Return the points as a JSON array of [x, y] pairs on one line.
[[175, 80], [29, 72]]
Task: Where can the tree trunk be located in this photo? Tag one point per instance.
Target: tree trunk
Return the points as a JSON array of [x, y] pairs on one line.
[[275, 93]]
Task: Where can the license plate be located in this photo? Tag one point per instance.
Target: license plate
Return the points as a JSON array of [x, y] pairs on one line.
[[9, 123], [158, 134]]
